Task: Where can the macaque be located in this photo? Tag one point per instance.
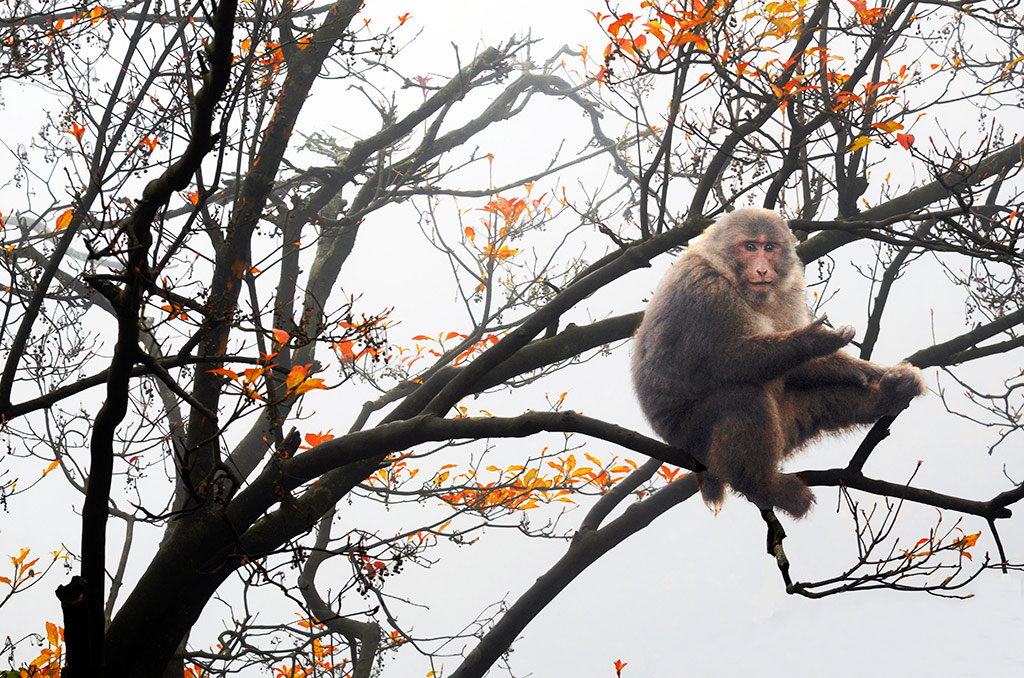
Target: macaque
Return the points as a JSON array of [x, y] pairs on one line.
[[729, 367]]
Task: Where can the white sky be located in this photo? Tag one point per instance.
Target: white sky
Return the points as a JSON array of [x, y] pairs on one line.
[[694, 594]]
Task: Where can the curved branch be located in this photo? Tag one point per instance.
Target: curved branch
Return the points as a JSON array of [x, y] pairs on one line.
[[389, 438], [845, 477], [947, 185], [586, 547]]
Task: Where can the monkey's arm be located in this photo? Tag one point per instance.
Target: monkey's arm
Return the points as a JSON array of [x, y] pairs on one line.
[[764, 357], [837, 368], [715, 338]]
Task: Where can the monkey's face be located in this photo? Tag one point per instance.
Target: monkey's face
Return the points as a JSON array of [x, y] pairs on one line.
[[759, 263]]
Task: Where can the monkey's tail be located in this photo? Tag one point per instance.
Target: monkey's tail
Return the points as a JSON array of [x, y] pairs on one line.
[[712, 490]]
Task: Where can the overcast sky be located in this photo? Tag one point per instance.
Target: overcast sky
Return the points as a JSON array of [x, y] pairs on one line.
[[694, 594]]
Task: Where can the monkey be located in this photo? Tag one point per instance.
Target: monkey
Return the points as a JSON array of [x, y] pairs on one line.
[[729, 366]]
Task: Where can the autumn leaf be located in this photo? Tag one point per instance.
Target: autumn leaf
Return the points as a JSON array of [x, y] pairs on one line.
[[76, 130], [64, 220], [502, 253], [905, 140], [619, 665], [345, 349], [281, 337], [890, 126], [149, 142], [867, 16], [174, 311], [53, 465], [224, 372], [314, 439], [96, 14], [859, 143], [402, 18], [296, 376]]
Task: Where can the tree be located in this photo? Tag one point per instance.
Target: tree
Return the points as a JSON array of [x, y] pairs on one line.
[[179, 345]]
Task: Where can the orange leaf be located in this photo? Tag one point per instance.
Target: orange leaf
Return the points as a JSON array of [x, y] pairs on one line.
[[296, 376], [174, 311], [224, 372], [905, 140], [345, 349], [64, 220], [52, 466], [76, 130], [309, 385], [281, 337], [96, 14], [314, 439], [19, 558]]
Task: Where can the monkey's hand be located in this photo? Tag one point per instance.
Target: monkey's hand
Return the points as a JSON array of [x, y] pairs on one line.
[[827, 340], [899, 385]]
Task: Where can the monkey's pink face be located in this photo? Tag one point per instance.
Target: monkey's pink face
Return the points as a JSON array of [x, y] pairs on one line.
[[758, 261]]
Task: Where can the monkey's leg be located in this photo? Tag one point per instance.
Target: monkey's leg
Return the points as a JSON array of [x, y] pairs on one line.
[[840, 406], [747, 442], [837, 368]]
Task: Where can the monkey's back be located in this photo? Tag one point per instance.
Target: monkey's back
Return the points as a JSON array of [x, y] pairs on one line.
[[686, 332]]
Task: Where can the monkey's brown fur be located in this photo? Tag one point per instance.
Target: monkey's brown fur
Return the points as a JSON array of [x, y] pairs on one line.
[[729, 367]]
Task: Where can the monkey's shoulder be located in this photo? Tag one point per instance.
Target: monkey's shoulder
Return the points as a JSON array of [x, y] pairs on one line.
[[699, 294]]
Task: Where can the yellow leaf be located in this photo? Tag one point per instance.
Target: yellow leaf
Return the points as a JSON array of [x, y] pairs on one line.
[[890, 126], [859, 143]]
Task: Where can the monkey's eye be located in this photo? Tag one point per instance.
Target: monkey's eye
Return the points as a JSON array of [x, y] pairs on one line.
[[769, 247], [750, 247]]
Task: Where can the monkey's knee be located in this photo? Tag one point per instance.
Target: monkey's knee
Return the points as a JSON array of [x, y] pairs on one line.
[[900, 384]]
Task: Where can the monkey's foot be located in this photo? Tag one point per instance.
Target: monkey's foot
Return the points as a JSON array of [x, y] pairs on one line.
[[792, 495], [900, 384], [712, 491]]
